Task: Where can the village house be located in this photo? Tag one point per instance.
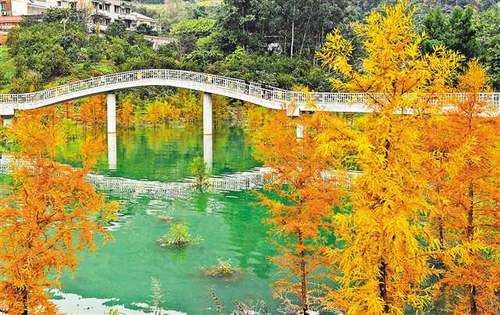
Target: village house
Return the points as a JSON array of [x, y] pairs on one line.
[[101, 13]]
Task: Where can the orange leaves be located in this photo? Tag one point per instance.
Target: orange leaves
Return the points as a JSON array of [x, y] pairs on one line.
[[464, 175], [37, 133], [429, 182], [92, 148], [383, 264], [93, 111], [302, 200], [52, 214], [126, 113]]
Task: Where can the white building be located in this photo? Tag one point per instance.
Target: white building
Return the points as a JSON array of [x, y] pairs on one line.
[[102, 12], [107, 11]]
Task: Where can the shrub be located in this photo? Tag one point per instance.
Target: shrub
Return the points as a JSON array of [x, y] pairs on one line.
[[178, 237], [223, 269], [200, 172]]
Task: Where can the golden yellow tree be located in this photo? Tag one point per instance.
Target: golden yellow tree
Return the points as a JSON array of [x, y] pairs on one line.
[[126, 113], [466, 199], [300, 204], [52, 213], [382, 266], [93, 111]]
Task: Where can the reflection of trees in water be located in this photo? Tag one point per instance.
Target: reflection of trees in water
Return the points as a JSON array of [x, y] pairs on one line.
[[165, 152], [173, 149], [230, 142], [70, 151], [248, 234], [127, 143]]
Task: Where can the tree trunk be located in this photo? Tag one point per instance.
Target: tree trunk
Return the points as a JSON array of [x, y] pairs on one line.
[[306, 30], [293, 30], [473, 304], [303, 280], [470, 237], [470, 214], [441, 233], [383, 285], [25, 301]]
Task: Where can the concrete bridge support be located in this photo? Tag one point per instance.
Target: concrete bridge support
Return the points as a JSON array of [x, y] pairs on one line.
[[7, 120], [112, 152], [111, 112], [299, 131], [208, 130], [111, 127]]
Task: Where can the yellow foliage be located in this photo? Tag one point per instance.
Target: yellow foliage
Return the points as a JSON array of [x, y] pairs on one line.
[[463, 170], [126, 114], [301, 203], [160, 111], [93, 111], [37, 132], [383, 265], [51, 215]]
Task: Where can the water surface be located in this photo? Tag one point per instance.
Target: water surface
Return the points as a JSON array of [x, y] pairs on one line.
[[166, 152], [230, 225]]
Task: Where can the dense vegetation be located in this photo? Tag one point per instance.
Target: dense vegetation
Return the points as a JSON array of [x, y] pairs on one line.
[[273, 42], [415, 231]]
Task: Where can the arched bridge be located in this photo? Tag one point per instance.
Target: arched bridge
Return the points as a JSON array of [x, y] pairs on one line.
[[209, 84], [255, 93]]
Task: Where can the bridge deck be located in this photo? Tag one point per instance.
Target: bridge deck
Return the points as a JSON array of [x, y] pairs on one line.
[[258, 94]]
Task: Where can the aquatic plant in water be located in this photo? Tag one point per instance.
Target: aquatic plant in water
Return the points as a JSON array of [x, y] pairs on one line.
[[178, 237], [201, 173], [157, 298], [223, 269], [242, 308]]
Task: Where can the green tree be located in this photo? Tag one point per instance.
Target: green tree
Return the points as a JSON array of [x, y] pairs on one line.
[[146, 29], [301, 25], [437, 28], [463, 36], [190, 30], [116, 29], [488, 38], [456, 31], [244, 23]]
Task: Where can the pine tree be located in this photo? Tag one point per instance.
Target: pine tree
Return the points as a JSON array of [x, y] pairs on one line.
[[382, 266]]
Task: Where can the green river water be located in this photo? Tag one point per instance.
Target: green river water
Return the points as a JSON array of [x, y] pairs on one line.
[[230, 225]]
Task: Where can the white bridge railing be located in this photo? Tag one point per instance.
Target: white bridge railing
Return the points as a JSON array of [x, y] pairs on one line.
[[261, 94]]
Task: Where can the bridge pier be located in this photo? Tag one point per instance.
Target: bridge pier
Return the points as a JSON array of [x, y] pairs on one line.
[[208, 152], [111, 127], [207, 114], [7, 120], [112, 152], [208, 130], [111, 112], [299, 131]]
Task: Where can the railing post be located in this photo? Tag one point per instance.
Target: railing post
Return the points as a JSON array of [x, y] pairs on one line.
[[207, 130]]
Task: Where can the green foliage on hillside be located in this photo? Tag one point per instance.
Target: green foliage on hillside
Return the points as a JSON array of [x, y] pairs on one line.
[[471, 33], [45, 52], [269, 41], [7, 67]]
